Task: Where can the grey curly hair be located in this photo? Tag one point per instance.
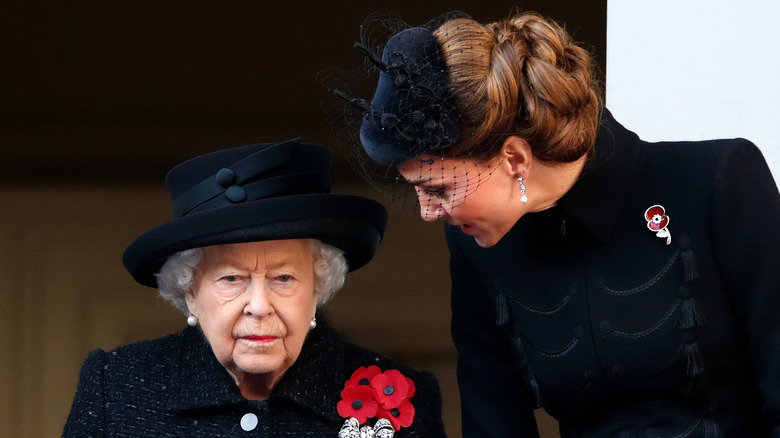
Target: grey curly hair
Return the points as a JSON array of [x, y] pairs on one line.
[[179, 271]]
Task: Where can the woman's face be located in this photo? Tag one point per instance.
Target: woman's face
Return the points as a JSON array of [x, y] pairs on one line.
[[480, 198], [254, 302]]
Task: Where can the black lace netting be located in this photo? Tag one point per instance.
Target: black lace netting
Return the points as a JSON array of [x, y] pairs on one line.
[[416, 114]]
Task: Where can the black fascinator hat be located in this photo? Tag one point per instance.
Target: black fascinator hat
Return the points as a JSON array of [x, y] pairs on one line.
[[258, 192], [413, 111]]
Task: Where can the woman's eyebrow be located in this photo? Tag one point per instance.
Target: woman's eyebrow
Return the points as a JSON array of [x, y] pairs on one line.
[[418, 181], [226, 266], [291, 262]]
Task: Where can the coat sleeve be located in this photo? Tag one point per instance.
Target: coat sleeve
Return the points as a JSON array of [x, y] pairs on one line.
[[746, 217], [86, 418], [494, 400]]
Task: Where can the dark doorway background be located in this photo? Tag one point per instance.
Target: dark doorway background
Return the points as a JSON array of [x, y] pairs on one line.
[[99, 99], [119, 91]]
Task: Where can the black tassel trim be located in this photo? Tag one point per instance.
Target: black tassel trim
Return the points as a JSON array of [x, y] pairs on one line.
[[712, 430], [695, 365], [520, 352], [535, 388], [527, 371], [690, 267], [691, 314], [502, 309]]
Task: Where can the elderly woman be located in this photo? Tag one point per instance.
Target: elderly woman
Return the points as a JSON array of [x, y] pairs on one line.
[[256, 244], [629, 288]]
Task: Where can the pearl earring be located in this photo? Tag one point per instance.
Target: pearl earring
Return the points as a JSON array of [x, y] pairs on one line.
[[523, 198], [192, 320], [313, 323]]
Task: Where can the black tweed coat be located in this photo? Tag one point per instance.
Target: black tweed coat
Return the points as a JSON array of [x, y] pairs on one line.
[[174, 387], [582, 310]]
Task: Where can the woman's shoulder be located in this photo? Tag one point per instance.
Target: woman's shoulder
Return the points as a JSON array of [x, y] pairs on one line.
[[138, 357], [341, 361], [352, 356], [148, 346], [703, 150], [361, 357], [702, 160]]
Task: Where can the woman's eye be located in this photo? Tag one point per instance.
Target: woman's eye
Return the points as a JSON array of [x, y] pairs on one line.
[[231, 278], [284, 278], [436, 192]]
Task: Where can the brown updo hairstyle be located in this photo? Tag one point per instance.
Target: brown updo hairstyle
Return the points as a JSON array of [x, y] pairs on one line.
[[521, 76]]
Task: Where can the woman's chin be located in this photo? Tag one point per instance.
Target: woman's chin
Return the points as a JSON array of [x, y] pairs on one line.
[[486, 240], [259, 365]]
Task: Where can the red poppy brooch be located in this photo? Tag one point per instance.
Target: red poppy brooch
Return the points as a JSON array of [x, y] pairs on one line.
[[658, 222], [370, 393]]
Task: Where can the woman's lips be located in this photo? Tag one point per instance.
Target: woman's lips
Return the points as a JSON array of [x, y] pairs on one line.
[[259, 339]]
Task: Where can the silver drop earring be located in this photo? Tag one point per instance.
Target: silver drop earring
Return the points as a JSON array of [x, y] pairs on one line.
[[313, 323], [523, 198], [192, 320]]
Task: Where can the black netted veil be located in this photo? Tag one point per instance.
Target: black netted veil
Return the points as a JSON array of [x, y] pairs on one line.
[[412, 112]]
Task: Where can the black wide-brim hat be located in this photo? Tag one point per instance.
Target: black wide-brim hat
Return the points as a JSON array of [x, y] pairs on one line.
[[258, 192]]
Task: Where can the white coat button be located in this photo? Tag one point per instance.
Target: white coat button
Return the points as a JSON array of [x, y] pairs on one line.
[[249, 422]]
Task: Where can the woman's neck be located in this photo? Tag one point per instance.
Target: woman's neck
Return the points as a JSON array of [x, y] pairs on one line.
[[255, 386], [547, 183]]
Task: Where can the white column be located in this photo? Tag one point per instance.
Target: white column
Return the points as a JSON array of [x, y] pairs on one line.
[[696, 69]]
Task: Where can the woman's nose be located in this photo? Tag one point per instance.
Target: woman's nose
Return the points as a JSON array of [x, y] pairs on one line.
[[258, 299], [430, 211], [431, 208]]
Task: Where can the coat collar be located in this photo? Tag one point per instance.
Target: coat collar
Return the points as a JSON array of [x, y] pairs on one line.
[[605, 180], [313, 382], [198, 380], [316, 379]]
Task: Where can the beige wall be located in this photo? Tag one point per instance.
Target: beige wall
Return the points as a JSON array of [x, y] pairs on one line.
[[66, 292]]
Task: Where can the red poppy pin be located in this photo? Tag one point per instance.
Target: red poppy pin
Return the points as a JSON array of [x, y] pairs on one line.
[[658, 221], [371, 393]]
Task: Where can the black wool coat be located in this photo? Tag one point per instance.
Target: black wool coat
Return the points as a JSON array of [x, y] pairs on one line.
[[174, 387], [584, 311]]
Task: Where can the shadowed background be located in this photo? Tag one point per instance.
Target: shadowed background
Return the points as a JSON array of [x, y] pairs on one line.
[[98, 100]]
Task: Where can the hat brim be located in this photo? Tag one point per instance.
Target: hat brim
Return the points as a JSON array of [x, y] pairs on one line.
[[351, 223]]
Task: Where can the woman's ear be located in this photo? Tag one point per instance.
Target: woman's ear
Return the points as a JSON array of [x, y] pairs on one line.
[[189, 296], [518, 154]]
